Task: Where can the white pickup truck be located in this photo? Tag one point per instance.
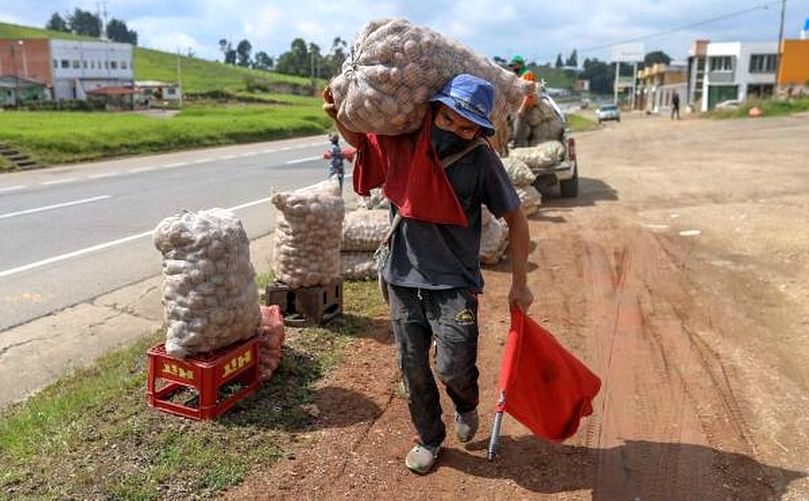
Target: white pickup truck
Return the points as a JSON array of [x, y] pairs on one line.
[[565, 173]]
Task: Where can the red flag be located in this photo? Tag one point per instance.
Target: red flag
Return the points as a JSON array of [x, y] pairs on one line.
[[544, 387]]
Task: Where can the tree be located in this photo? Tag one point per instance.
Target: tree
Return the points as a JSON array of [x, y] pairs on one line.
[[227, 49], [657, 56], [57, 23], [82, 22], [243, 53], [333, 62], [117, 31], [600, 74], [499, 60], [262, 61], [573, 60], [559, 62], [295, 61]]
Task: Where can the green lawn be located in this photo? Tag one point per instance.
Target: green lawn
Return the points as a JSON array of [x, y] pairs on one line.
[[771, 108], [580, 123], [91, 436], [60, 137], [197, 75]]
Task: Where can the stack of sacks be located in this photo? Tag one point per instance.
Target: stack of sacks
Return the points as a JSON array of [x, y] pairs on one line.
[[376, 200], [363, 232], [541, 156], [493, 238], [395, 67], [306, 250], [270, 340], [518, 171], [210, 298], [530, 199]]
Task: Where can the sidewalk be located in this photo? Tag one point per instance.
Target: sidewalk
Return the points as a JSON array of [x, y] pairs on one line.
[[35, 354]]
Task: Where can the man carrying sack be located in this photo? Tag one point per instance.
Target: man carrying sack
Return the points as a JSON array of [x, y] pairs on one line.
[[437, 179], [528, 116]]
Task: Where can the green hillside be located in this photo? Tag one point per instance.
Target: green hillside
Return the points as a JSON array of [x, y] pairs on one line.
[[555, 77], [198, 75]]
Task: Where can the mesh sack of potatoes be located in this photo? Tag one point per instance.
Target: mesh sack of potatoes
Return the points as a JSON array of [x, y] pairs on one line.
[[358, 265], [376, 200], [364, 230], [493, 238], [209, 293], [530, 199], [306, 247], [271, 337], [540, 156], [518, 171], [396, 66]]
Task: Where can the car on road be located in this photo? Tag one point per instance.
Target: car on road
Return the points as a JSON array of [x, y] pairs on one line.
[[565, 173], [730, 104], [608, 112]]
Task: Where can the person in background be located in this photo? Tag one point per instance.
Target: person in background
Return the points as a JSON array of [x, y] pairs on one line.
[[437, 179], [675, 106], [527, 117], [335, 156]]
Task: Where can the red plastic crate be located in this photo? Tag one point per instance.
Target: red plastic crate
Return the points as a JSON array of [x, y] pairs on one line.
[[206, 375]]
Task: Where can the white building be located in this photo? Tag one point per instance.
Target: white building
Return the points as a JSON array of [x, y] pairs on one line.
[[78, 67], [738, 70]]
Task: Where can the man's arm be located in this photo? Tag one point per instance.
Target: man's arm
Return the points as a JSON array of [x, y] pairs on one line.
[[329, 107], [520, 294]]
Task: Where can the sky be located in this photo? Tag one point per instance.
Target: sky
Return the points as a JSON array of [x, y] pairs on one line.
[[536, 30]]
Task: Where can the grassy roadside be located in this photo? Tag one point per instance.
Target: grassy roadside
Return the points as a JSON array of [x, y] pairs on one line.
[[581, 123], [91, 436], [771, 108], [62, 137]]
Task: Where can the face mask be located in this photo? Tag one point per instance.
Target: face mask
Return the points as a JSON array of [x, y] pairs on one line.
[[446, 143]]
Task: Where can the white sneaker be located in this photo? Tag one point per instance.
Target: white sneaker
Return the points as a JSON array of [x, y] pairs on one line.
[[421, 458]]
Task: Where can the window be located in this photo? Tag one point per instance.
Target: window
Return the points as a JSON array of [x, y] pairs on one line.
[[84, 64], [763, 63], [65, 64], [114, 65], [55, 63], [721, 63], [171, 91], [123, 65], [93, 64], [76, 64], [106, 65]]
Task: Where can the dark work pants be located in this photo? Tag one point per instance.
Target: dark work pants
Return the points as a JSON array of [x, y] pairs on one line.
[[450, 316]]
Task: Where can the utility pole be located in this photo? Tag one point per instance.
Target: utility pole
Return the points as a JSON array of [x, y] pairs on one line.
[[780, 42], [615, 85], [179, 78]]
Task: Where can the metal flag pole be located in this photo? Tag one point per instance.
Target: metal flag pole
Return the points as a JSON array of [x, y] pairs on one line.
[[498, 420]]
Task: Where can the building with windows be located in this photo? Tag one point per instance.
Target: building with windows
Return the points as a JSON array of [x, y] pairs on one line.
[[738, 71], [793, 74], [69, 68], [657, 85]]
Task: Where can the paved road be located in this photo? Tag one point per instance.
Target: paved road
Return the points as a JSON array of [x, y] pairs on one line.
[[68, 234]]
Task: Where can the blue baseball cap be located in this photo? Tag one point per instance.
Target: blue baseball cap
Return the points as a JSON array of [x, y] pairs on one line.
[[471, 97]]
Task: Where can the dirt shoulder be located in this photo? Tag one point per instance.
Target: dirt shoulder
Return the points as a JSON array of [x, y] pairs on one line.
[[679, 275]]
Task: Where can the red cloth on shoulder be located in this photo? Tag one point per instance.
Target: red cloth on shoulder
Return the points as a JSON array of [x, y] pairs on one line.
[[411, 175]]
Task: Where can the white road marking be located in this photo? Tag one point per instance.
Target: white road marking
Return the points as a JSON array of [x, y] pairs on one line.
[[105, 245], [141, 169], [105, 174], [271, 150], [248, 154], [690, 233], [302, 160], [285, 148], [59, 181], [656, 226], [175, 164], [51, 207], [13, 188], [228, 157], [201, 161]]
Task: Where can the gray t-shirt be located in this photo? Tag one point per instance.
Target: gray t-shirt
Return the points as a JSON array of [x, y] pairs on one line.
[[445, 256]]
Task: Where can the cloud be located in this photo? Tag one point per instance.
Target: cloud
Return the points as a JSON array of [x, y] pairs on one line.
[[491, 27]]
